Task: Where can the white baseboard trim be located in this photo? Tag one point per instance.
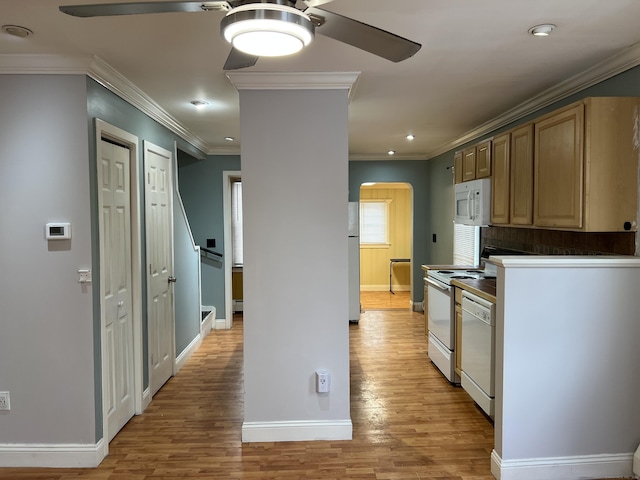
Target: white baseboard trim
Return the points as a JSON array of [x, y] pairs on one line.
[[186, 353], [52, 455], [563, 468], [417, 306], [221, 324], [146, 398], [296, 431], [207, 323], [385, 288]]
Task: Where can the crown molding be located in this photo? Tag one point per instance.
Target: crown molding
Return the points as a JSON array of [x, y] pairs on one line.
[[362, 157], [224, 151], [625, 60], [294, 81], [97, 69], [111, 79]]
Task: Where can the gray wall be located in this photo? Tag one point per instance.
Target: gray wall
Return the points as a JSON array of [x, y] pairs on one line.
[[186, 264], [295, 193], [566, 388], [50, 341], [47, 328], [201, 192], [103, 104]]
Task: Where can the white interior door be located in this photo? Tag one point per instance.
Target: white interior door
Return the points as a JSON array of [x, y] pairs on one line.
[[159, 233], [115, 285]]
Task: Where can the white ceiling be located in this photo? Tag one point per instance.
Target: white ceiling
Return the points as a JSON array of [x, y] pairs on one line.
[[477, 62]]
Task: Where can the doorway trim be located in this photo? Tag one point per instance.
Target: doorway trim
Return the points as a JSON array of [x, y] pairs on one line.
[[107, 131], [227, 178]]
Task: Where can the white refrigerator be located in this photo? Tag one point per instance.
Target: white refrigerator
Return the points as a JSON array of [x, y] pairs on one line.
[[354, 262]]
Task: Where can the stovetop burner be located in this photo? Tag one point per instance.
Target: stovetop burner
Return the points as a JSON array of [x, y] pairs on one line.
[[445, 276]]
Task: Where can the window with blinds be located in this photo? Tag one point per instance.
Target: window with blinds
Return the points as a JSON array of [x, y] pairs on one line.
[[466, 245], [374, 222], [236, 223]]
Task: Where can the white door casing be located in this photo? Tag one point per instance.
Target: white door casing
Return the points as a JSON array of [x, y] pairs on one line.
[[159, 234], [120, 281]]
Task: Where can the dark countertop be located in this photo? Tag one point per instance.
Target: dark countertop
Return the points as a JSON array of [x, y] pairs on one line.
[[484, 287]]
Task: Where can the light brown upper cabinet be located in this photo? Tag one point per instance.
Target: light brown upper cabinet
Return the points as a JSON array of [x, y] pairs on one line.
[[521, 200], [585, 166], [469, 164], [483, 159], [500, 181], [457, 167]]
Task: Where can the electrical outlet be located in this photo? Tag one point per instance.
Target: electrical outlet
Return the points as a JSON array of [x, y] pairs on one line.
[[5, 401], [323, 380]]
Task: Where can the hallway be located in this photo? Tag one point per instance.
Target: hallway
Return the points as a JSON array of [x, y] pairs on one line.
[[408, 422]]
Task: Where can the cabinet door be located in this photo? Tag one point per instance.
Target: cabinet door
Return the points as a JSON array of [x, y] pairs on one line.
[[469, 164], [522, 175], [457, 167], [559, 170], [483, 159], [500, 183]]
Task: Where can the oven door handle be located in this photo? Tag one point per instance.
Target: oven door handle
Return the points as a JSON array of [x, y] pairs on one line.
[[439, 285]]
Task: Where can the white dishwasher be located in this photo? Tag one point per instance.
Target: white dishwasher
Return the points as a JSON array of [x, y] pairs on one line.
[[478, 350]]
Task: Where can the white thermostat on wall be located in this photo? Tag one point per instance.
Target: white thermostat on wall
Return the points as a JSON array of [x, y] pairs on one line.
[[58, 231]]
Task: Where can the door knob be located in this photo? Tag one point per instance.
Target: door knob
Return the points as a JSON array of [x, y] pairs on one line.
[[172, 279]]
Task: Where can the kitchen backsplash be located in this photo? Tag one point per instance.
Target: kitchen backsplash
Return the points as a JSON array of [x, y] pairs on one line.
[[556, 242]]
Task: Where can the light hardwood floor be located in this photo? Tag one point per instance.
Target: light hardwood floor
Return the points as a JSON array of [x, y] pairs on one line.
[[385, 300], [408, 421]]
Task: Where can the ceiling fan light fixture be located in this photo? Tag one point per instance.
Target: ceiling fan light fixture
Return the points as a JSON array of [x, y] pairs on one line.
[[267, 29], [543, 30]]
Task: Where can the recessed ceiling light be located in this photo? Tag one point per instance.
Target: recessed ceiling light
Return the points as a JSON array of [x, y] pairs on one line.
[[391, 152], [229, 139], [199, 104], [16, 31], [543, 30], [410, 137]]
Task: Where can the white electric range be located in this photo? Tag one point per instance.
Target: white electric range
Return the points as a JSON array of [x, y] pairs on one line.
[[441, 308]]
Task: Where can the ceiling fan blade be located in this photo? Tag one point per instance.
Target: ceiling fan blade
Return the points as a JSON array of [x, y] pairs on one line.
[[366, 37], [238, 59], [316, 3], [110, 9]]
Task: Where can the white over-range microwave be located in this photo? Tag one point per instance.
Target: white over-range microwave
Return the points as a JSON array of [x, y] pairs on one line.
[[473, 202]]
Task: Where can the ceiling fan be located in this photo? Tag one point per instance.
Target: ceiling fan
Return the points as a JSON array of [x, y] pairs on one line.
[[258, 28]]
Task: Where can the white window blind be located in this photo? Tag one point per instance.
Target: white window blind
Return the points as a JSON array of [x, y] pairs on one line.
[[236, 222], [466, 245], [374, 222]]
